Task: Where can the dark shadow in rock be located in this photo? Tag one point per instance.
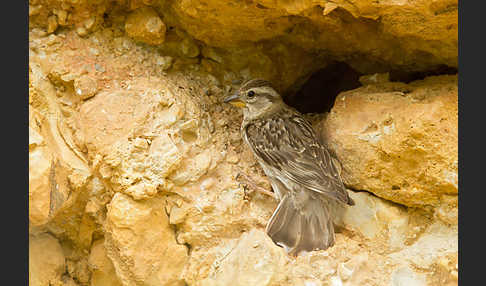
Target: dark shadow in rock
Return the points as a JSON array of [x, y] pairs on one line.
[[318, 93], [407, 77]]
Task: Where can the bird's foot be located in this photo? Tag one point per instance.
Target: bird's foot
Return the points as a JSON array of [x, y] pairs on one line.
[[247, 181]]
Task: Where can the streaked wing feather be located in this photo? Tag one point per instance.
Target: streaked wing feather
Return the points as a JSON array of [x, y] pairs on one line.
[[287, 142]]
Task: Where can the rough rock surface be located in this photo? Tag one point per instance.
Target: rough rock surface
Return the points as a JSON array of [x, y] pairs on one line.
[[400, 141], [103, 271], [46, 260], [133, 158], [370, 36], [144, 25], [141, 244]]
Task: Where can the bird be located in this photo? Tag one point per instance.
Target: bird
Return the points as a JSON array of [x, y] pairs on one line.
[[304, 174]]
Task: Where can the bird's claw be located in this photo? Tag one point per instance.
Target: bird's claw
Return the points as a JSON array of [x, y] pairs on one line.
[[249, 186]]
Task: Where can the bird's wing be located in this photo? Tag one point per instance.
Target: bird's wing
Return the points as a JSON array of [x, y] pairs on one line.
[[290, 146]]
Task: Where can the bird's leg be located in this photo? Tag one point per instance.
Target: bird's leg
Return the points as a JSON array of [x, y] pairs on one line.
[[243, 178]]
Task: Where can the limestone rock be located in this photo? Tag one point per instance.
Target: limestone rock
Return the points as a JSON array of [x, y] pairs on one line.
[[145, 188], [407, 238], [376, 219], [254, 259], [85, 87], [438, 240], [405, 276], [116, 112], [52, 24], [141, 244], [46, 261], [132, 132], [57, 169], [369, 36], [39, 169], [145, 25], [238, 266], [399, 141], [101, 266], [402, 34]]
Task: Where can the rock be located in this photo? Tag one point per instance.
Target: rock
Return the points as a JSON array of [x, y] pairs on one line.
[[79, 270], [89, 23], [39, 170], [164, 62], [336, 281], [192, 169], [109, 116], [85, 86], [372, 37], [138, 183], [57, 171], [163, 155], [141, 191], [141, 244], [46, 261], [374, 78], [189, 48], [399, 141], [233, 159], [340, 29], [356, 264], [145, 25], [34, 9], [376, 219], [62, 16], [51, 24], [103, 271], [437, 241], [238, 266], [81, 31], [405, 276]]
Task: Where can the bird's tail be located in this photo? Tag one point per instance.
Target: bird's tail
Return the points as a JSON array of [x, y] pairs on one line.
[[301, 226]]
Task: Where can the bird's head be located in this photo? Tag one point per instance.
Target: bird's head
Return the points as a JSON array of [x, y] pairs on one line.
[[255, 97]]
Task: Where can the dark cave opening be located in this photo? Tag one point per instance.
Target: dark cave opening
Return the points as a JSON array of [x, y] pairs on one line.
[[407, 77], [318, 93]]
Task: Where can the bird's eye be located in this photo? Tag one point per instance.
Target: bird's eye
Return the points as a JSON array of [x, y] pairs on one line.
[[251, 93]]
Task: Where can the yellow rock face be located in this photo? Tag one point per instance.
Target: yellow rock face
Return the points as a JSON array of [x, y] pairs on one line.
[[250, 39], [369, 35], [134, 159], [103, 271], [57, 170], [144, 25], [141, 243], [399, 141], [46, 260]]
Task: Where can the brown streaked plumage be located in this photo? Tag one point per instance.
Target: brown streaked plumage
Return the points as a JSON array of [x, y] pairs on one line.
[[302, 172]]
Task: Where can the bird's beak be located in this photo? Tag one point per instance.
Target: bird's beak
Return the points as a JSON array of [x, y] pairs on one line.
[[235, 100]]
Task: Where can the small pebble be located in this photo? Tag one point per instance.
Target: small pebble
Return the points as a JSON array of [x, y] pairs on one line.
[[81, 31], [344, 272], [89, 23], [52, 24], [99, 67], [85, 86], [62, 17], [94, 51], [34, 9], [164, 62], [233, 159], [336, 281]]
